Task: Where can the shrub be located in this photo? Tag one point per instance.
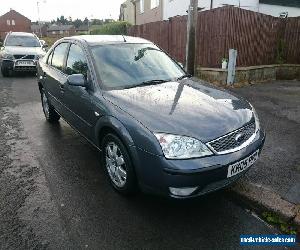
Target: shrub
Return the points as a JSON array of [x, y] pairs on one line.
[[114, 28]]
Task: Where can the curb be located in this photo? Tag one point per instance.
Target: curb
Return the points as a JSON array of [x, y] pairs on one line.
[[262, 199]]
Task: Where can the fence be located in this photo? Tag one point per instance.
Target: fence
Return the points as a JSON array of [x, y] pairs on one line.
[[260, 39]]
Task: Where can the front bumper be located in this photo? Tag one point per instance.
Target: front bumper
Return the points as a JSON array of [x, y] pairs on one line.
[[11, 65], [157, 175]]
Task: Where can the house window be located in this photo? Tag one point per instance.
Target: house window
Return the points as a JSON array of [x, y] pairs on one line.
[[142, 6], [13, 22], [61, 31], [53, 32], [154, 3], [8, 22]]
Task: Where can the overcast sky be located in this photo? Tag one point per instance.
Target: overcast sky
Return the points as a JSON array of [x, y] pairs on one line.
[[50, 9]]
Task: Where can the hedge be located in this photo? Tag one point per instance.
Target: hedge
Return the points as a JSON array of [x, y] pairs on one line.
[[114, 28]]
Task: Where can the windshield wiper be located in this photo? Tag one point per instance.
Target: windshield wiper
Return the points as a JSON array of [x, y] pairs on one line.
[[152, 82], [184, 76]]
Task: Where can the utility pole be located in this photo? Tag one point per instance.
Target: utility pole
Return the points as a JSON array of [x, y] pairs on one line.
[[191, 37], [38, 12], [39, 21]]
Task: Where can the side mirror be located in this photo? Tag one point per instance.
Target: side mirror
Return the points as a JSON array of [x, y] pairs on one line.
[[77, 80], [45, 47]]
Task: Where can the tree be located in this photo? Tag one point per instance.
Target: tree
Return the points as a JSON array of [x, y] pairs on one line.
[[77, 22], [86, 21], [62, 20], [97, 22]]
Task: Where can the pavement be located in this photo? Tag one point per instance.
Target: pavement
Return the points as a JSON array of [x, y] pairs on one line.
[[274, 181], [54, 194]]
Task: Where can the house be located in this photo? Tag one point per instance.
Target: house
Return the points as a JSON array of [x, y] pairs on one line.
[[173, 8], [147, 11], [179, 7], [60, 30], [13, 21], [39, 29], [277, 7], [127, 12], [82, 29]]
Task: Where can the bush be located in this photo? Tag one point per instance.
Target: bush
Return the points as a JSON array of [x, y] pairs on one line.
[[50, 40], [114, 28]]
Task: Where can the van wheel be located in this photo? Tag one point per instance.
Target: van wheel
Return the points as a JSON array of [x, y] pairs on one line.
[[49, 112], [118, 165]]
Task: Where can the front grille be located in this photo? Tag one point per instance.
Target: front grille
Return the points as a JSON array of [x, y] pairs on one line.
[[25, 68], [30, 57], [233, 139]]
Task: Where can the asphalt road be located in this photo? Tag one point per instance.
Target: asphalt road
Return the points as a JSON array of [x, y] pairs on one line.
[[54, 195]]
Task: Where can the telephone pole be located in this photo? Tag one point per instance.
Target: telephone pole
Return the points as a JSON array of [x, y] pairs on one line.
[[191, 37]]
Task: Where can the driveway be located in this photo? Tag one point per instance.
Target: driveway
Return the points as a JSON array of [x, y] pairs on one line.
[[278, 106], [54, 195]]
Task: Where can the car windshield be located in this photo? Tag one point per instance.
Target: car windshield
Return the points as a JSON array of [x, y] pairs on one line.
[[22, 41], [130, 65]]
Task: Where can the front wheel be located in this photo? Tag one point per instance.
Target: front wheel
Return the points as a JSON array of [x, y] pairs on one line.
[[5, 72], [118, 165], [49, 112]]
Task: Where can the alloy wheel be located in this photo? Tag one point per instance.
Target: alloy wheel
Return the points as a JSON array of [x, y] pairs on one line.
[[45, 105], [115, 164]]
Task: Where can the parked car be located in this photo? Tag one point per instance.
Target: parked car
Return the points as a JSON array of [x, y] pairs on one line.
[[20, 52], [157, 128]]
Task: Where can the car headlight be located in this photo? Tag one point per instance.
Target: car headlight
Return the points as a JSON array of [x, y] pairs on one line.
[[181, 147], [257, 123], [7, 56]]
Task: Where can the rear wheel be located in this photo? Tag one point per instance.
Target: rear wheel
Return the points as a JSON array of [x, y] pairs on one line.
[[118, 164], [49, 112]]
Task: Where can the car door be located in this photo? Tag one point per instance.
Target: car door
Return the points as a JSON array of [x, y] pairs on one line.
[[54, 77], [76, 98]]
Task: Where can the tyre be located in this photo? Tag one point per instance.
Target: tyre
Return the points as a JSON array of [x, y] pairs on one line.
[[5, 72], [49, 112], [118, 165]]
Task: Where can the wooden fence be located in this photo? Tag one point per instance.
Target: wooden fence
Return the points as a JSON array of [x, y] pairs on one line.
[[260, 39]]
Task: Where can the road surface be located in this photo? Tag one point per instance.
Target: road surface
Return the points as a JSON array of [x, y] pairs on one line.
[[54, 195]]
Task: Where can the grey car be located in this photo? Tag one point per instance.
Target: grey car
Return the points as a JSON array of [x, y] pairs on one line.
[[157, 128], [20, 52]]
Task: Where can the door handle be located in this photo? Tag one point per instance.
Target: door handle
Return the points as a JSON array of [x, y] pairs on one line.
[[62, 88]]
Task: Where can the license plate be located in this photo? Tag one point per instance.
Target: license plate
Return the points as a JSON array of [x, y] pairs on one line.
[[24, 63], [242, 165]]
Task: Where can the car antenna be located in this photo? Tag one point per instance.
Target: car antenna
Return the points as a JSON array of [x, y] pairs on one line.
[[124, 38]]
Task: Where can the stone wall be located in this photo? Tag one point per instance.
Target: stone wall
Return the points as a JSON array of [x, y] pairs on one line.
[[253, 74]]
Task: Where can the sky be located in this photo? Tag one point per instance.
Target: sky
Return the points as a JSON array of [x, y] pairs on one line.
[[51, 9]]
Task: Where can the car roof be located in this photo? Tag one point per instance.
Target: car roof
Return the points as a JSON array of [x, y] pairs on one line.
[[21, 34], [107, 39]]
